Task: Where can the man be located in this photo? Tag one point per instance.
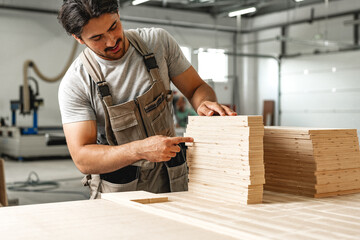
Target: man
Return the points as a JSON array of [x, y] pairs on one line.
[[116, 104]]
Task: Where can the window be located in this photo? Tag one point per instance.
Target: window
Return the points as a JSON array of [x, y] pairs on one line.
[[213, 64], [187, 52]]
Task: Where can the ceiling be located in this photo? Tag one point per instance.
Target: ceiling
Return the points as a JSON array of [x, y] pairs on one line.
[[223, 7]]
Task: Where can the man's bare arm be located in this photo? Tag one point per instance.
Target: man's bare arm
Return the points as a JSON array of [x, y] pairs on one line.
[[92, 158], [200, 94]]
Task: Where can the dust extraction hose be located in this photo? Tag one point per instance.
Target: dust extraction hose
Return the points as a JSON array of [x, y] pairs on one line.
[[30, 63]]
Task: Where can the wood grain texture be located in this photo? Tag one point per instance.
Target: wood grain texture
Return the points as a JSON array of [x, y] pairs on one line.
[[3, 194], [226, 159], [312, 162], [188, 215]]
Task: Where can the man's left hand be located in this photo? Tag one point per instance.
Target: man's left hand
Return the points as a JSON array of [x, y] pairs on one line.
[[208, 108]]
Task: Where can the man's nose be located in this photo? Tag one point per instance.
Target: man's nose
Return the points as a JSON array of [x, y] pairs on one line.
[[110, 41]]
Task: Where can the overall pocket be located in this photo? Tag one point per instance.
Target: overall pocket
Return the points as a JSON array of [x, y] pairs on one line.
[[178, 177], [125, 127], [159, 114], [108, 187]]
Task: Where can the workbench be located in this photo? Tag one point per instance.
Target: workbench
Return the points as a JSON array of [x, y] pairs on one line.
[[186, 215]]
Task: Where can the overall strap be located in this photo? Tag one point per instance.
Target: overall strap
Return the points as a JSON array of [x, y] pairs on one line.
[[93, 68], [149, 58]]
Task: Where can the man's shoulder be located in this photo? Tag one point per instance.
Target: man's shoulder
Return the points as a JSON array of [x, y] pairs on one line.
[[151, 33], [73, 74]]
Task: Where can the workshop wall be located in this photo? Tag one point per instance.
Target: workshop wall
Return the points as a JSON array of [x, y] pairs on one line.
[[317, 90]]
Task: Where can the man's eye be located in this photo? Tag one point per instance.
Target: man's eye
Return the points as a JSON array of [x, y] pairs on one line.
[[97, 38], [113, 27]]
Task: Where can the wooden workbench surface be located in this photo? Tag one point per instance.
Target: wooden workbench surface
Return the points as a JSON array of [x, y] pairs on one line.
[[186, 216]]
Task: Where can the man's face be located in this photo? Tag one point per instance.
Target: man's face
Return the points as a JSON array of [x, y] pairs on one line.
[[105, 36]]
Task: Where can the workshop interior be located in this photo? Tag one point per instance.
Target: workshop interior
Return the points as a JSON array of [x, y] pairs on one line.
[[286, 167]]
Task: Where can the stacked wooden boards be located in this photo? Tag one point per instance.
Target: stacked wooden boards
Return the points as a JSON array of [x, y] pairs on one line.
[[312, 162], [226, 158]]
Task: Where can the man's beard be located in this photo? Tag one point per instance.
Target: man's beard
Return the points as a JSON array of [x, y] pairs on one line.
[[108, 57]]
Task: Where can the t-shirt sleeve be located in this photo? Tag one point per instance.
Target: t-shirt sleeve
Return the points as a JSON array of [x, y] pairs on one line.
[[74, 100], [176, 60]]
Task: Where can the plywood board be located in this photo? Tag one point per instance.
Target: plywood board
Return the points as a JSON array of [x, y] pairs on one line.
[[241, 121], [227, 153], [311, 161], [3, 194]]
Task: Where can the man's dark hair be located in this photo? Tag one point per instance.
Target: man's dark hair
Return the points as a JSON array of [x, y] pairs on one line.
[[75, 14]]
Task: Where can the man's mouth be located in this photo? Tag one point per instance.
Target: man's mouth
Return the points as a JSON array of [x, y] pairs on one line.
[[114, 49]]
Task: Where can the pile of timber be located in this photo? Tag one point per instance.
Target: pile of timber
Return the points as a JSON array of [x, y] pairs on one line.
[[226, 159], [312, 162]]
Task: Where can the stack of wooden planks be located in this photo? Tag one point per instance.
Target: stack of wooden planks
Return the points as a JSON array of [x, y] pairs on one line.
[[312, 162], [226, 158]]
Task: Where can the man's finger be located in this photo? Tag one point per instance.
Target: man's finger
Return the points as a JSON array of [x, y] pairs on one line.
[[171, 155], [177, 140], [174, 148], [217, 108], [229, 111], [205, 111]]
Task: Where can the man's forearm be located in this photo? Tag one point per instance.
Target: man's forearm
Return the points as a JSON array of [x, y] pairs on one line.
[[99, 159], [203, 93]]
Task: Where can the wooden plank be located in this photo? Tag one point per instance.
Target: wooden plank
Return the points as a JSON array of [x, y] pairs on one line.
[[217, 229], [239, 131], [308, 133], [3, 194], [291, 190], [104, 219], [242, 121], [216, 176], [236, 162], [217, 149], [336, 187], [338, 193], [251, 143], [229, 169], [139, 197]]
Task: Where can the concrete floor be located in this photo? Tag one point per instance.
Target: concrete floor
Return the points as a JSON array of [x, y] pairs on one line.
[[61, 172]]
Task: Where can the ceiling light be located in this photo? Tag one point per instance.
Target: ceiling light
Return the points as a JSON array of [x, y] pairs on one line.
[[242, 12], [298, 0], [137, 2]]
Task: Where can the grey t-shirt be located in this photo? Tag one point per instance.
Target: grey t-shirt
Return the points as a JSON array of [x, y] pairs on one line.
[[127, 78]]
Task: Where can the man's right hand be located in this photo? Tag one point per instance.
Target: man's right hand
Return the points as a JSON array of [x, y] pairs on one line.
[[161, 148]]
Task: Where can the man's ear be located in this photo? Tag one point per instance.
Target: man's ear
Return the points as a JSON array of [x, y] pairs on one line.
[[78, 39]]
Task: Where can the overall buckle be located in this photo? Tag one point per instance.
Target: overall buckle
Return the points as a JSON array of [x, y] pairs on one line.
[[150, 61], [103, 89]]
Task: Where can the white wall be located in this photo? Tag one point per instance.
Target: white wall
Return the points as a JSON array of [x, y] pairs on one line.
[[326, 94], [321, 98]]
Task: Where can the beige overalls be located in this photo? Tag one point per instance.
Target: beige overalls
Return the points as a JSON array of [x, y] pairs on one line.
[[145, 116]]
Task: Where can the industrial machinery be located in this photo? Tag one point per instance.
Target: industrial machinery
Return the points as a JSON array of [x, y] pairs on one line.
[[33, 142]]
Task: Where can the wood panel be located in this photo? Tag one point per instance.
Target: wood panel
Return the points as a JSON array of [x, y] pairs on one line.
[[312, 161], [3, 194], [226, 159]]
